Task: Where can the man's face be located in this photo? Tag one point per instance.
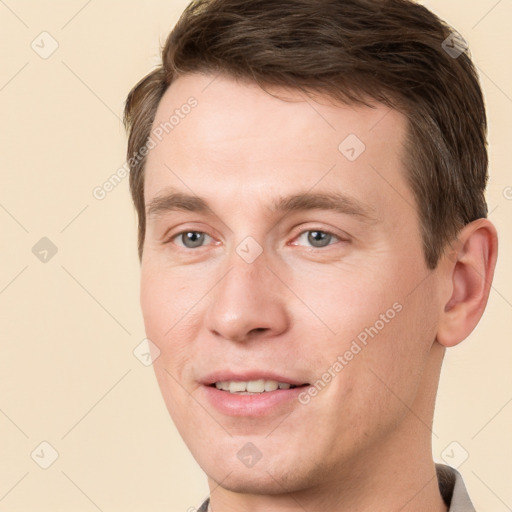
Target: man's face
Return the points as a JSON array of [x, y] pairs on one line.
[[258, 286]]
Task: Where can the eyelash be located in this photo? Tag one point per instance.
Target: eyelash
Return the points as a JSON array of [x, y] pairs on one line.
[[311, 230]]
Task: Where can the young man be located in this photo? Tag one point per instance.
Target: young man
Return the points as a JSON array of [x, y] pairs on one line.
[[309, 179]]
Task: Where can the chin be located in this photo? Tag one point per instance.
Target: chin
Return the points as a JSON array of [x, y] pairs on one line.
[[257, 481]]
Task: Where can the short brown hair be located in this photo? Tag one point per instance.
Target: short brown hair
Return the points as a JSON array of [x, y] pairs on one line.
[[391, 51]]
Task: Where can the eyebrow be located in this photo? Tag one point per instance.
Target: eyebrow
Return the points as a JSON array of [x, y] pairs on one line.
[[333, 201]]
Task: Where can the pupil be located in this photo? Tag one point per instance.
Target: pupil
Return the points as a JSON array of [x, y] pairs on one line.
[[313, 238], [194, 237]]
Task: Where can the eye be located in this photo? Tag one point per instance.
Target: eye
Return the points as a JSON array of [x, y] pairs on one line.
[[315, 237], [318, 238], [190, 239]]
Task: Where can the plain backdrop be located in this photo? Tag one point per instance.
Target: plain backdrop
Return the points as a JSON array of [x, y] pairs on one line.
[[69, 273]]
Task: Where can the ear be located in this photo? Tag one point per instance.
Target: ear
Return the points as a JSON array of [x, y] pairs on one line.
[[469, 268]]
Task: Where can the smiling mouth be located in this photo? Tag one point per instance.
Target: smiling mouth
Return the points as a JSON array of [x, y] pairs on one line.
[[252, 387]]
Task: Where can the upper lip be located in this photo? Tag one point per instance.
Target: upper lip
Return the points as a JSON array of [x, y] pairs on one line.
[[248, 375]]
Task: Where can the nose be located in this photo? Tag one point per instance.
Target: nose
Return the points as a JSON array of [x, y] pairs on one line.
[[248, 302]]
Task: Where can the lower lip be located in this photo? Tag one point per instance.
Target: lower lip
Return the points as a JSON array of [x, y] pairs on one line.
[[260, 404]]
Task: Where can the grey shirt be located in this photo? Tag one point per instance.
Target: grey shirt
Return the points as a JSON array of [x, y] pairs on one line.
[[451, 486]]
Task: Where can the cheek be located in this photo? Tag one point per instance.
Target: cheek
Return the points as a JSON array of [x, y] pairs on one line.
[[381, 320], [168, 327], [387, 372], [168, 296], [168, 315], [343, 301]]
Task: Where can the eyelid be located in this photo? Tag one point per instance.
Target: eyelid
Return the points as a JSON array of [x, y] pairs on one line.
[[315, 227], [339, 237], [179, 237], [171, 238], [170, 235]]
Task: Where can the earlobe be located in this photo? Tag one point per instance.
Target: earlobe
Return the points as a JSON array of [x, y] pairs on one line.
[[470, 269]]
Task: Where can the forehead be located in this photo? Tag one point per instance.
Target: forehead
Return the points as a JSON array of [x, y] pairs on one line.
[[238, 136]]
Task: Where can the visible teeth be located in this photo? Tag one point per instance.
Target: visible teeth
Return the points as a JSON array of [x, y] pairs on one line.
[[252, 386], [271, 385], [256, 386], [237, 386]]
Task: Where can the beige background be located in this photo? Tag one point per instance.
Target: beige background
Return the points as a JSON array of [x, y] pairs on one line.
[[68, 375]]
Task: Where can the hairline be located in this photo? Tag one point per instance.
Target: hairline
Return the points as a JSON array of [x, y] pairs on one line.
[[394, 101]]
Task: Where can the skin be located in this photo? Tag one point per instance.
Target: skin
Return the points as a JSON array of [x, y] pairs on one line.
[[364, 442]]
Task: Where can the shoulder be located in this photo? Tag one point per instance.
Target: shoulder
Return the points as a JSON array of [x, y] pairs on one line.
[[204, 506], [453, 490]]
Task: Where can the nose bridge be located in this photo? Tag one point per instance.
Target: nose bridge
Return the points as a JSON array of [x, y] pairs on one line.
[[245, 300]]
